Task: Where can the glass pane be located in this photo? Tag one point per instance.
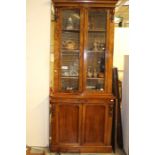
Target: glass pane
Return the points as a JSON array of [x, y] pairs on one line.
[[70, 50], [96, 50]]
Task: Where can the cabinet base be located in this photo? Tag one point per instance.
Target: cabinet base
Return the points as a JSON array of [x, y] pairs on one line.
[[81, 149]]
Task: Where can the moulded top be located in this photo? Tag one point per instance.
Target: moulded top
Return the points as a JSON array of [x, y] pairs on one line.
[[85, 1]]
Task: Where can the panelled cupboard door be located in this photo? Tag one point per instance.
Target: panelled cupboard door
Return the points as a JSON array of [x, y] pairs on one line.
[[68, 123], [94, 124]]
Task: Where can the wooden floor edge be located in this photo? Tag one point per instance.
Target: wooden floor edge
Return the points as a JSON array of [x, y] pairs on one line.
[[84, 149], [28, 151]]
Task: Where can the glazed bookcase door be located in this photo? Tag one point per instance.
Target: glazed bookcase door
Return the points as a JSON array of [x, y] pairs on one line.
[[95, 49], [70, 51]]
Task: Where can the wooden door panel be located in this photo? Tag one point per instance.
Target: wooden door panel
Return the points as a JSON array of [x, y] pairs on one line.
[[68, 123], [94, 124]]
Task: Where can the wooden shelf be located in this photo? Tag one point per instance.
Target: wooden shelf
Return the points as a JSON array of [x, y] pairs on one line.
[[75, 30], [99, 78], [95, 30], [91, 51], [69, 77], [70, 51]]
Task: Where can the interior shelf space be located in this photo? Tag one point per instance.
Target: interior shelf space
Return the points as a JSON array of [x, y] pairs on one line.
[[70, 51]]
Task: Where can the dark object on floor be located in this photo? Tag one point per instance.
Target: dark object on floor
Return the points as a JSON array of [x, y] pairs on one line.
[[117, 135]]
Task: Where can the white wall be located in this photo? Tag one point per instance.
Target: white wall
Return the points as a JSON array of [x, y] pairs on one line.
[[121, 61], [125, 105], [38, 58], [121, 48]]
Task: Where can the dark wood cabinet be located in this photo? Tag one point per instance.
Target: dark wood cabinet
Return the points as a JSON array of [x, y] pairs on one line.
[[81, 98]]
